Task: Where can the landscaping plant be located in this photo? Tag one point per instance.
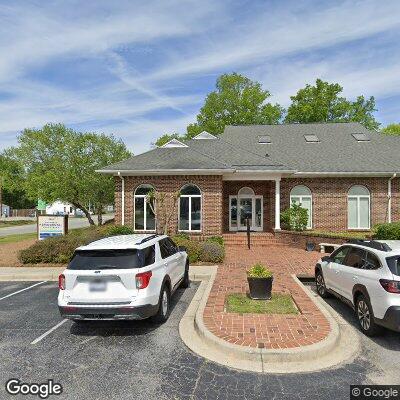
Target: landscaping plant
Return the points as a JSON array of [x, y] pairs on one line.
[[294, 218], [260, 280], [387, 231]]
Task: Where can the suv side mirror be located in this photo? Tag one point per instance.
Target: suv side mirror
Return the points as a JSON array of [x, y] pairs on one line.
[[326, 259], [182, 248]]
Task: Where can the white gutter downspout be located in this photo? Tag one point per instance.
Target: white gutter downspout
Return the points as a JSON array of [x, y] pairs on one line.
[[389, 195], [122, 199]]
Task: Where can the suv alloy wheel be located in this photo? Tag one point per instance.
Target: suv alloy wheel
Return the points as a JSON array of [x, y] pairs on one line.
[[365, 317], [163, 306], [320, 283]]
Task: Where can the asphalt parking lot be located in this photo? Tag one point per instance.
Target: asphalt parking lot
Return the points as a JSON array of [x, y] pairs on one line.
[[140, 360]]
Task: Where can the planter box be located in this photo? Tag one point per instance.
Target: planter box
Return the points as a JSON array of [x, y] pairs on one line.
[[260, 288]]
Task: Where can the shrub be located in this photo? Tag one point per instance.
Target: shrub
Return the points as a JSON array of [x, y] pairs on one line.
[[259, 271], [294, 218], [216, 239], [60, 249], [192, 247], [115, 230], [387, 231], [211, 252], [52, 250]]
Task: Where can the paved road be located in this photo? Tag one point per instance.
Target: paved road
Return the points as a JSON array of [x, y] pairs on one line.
[[140, 360], [72, 223]]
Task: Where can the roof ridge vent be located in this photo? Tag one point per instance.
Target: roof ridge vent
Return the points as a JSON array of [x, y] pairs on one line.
[[174, 143], [204, 135]]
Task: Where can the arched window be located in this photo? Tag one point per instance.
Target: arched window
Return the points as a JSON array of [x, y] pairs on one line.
[[190, 208], [144, 216], [302, 195], [246, 191], [358, 207]]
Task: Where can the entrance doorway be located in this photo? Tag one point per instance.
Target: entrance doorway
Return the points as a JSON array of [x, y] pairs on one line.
[[246, 205]]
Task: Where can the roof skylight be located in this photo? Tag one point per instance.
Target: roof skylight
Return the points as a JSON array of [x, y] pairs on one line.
[[264, 139], [361, 137], [311, 138]]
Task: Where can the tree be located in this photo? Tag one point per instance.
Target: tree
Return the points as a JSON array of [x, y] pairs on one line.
[[12, 182], [391, 129], [323, 103], [60, 164], [163, 205], [166, 138], [236, 100]]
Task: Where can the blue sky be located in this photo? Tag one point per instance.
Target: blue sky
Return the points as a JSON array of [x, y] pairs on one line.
[[141, 69]]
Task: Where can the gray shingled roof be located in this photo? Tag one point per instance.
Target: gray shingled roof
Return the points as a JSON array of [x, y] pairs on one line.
[[238, 149], [336, 151]]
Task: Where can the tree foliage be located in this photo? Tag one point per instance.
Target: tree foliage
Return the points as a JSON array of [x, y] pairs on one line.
[[295, 218], [166, 138], [323, 103], [236, 100], [12, 180], [60, 164], [391, 129]]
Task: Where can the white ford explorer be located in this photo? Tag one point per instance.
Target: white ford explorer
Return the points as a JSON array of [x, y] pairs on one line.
[[123, 278], [366, 275]]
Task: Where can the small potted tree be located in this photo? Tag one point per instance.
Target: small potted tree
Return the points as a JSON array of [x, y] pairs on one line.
[[260, 282]]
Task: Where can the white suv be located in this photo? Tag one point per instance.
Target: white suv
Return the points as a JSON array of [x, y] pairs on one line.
[[123, 277], [365, 274]]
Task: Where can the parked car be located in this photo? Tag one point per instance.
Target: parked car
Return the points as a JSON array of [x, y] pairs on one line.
[[123, 278], [366, 275]]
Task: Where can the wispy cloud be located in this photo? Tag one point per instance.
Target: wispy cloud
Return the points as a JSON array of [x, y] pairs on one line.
[[140, 69]]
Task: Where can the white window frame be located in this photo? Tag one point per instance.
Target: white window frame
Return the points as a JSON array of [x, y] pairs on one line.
[[358, 197], [301, 197], [142, 196], [190, 196]]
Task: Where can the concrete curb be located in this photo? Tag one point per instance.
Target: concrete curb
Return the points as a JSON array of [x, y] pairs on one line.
[[341, 345], [30, 273]]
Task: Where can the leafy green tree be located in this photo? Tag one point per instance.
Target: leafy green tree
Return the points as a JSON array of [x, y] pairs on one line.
[[236, 100], [166, 138], [391, 129], [12, 183], [323, 103], [61, 165]]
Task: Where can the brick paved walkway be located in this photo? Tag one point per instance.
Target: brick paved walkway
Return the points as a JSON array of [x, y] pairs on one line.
[[265, 330]]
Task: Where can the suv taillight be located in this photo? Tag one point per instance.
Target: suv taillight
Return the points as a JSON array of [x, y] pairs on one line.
[[61, 282], [390, 286], [143, 279]]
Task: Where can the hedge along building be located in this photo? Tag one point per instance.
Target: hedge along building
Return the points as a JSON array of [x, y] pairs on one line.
[[345, 175]]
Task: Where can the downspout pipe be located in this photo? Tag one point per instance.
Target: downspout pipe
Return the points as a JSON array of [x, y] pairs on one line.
[[122, 198], [389, 211]]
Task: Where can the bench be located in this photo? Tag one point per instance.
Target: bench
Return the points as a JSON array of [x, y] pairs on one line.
[[323, 247]]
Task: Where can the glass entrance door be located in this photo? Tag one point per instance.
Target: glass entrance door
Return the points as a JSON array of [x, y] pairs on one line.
[[245, 211], [242, 207]]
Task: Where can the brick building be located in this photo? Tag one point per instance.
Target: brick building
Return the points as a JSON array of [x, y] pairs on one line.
[[344, 175]]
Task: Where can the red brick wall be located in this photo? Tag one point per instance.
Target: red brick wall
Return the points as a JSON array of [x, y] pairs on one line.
[[211, 190], [330, 199], [261, 188]]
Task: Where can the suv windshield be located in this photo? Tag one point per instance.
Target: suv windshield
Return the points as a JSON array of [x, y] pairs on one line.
[[106, 259], [394, 264]]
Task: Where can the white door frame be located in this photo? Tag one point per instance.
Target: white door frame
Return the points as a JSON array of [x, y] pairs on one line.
[[253, 208]]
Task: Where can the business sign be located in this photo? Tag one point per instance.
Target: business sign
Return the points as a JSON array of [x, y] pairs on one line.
[[51, 225]]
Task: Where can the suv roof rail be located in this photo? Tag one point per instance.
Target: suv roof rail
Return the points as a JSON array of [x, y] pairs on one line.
[[146, 239], [371, 243]]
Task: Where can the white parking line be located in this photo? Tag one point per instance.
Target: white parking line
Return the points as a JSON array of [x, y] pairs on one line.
[[22, 290], [37, 340]]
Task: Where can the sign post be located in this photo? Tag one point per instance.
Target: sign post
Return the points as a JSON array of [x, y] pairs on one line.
[[51, 225]]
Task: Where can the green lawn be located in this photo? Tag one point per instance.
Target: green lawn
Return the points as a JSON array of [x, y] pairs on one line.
[[279, 304], [17, 238], [6, 224]]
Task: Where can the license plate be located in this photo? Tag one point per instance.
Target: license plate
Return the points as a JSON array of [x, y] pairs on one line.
[[97, 286]]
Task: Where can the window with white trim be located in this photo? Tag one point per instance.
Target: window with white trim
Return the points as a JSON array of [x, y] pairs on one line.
[[190, 208], [358, 207], [301, 195], [144, 216]]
